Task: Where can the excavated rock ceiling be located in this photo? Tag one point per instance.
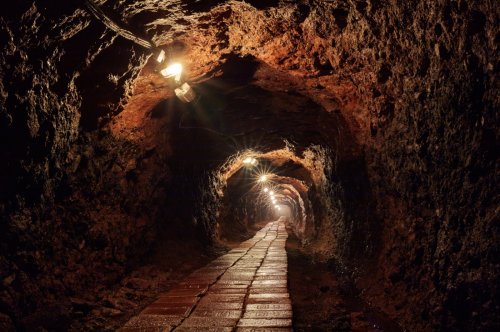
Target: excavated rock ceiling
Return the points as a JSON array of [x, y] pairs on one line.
[[281, 49], [396, 89], [387, 111]]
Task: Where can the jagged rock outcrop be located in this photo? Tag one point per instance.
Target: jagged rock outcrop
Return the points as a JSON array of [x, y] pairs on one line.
[[403, 94]]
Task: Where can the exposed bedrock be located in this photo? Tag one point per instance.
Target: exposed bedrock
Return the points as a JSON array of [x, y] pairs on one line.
[[377, 122]]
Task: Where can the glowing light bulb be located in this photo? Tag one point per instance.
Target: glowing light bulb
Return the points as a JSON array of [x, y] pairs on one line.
[[266, 190], [250, 161], [271, 193], [173, 70], [263, 178]]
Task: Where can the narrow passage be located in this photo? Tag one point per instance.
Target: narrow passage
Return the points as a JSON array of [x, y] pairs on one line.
[[244, 290]]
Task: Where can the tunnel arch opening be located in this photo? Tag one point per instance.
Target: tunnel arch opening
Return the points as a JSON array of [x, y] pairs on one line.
[[237, 117], [103, 164], [301, 182]]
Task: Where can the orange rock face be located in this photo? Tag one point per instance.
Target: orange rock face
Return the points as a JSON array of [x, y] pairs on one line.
[[377, 121]]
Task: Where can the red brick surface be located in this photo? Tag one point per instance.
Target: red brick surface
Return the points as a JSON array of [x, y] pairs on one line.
[[246, 290]]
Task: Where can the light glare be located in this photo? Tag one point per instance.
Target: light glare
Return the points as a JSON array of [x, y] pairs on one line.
[[173, 70], [250, 161]]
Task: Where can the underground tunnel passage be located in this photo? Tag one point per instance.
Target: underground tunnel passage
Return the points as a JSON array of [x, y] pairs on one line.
[[252, 165]]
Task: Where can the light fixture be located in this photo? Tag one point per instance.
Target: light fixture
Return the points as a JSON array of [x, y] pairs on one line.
[[263, 178], [161, 57], [271, 193], [185, 93], [173, 70], [266, 190], [250, 161]]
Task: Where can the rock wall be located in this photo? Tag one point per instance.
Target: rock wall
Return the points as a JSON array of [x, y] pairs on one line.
[[94, 159], [76, 204]]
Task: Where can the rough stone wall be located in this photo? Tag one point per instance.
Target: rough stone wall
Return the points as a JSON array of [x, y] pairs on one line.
[[415, 83], [425, 83], [72, 199], [437, 184]]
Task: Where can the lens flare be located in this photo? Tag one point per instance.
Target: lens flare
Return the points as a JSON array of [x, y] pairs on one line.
[[250, 161], [173, 70]]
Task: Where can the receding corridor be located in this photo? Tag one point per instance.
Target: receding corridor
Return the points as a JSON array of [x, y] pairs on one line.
[[244, 289], [250, 165]]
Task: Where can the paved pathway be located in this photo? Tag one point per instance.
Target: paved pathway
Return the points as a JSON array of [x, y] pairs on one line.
[[244, 290]]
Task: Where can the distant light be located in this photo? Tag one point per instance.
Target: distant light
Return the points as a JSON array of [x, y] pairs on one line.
[[250, 161], [161, 56], [185, 93], [266, 190], [263, 178], [271, 193], [173, 70], [277, 206]]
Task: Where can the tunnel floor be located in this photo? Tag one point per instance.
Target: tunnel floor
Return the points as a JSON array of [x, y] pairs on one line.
[[243, 290], [325, 299], [256, 286]]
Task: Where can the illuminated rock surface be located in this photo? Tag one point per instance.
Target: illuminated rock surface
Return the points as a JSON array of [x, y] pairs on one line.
[[377, 119]]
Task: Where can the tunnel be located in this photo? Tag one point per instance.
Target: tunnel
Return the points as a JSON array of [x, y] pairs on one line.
[[249, 165]]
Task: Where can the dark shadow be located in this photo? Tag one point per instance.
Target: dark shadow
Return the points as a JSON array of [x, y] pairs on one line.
[[264, 4], [199, 6], [238, 69]]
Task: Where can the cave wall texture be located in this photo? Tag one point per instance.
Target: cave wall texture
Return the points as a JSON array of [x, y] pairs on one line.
[[94, 162]]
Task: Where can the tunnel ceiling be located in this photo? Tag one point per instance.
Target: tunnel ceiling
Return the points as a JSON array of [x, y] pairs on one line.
[[244, 46], [377, 117]]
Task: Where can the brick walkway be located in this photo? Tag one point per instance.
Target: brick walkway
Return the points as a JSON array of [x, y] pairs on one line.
[[244, 290]]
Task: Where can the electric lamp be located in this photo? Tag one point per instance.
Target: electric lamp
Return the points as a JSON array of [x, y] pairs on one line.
[[250, 161], [185, 93], [173, 70], [161, 57]]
